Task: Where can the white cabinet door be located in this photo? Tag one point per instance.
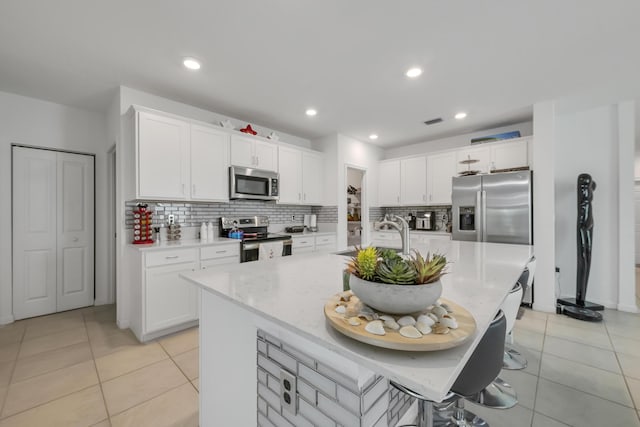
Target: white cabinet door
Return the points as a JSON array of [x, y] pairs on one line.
[[440, 169], [75, 231], [266, 156], [481, 154], [169, 299], [413, 181], [34, 232], [209, 164], [163, 157], [389, 183], [508, 155], [210, 263], [242, 151], [312, 182], [289, 161]]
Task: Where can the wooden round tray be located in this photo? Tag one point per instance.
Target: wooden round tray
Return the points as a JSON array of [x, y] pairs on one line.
[[393, 339]]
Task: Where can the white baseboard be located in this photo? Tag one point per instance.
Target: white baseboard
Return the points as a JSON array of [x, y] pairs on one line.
[[628, 308], [102, 302], [547, 308], [5, 320]]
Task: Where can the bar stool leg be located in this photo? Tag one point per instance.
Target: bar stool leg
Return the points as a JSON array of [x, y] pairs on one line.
[[425, 413]]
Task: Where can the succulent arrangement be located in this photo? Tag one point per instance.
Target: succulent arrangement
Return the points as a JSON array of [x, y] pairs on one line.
[[386, 266]]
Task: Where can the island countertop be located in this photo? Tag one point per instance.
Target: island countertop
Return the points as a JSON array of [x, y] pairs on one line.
[[292, 292]]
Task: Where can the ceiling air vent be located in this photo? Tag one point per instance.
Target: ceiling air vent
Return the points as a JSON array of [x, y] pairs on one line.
[[433, 121]]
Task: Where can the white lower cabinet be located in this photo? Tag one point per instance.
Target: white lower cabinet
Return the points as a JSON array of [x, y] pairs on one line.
[[308, 243], [169, 299], [302, 244], [212, 256], [163, 302], [325, 243]]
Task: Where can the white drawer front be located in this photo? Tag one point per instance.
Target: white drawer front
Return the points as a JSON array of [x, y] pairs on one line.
[[220, 251], [303, 242], [325, 240], [170, 257]]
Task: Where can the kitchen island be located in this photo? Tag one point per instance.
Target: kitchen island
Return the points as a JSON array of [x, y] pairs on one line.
[[275, 309]]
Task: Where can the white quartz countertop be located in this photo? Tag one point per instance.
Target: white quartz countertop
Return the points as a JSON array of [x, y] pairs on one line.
[[292, 292], [183, 243]]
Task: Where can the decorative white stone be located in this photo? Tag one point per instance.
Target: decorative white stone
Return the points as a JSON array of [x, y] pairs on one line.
[[354, 321], [423, 327], [410, 332], [439, 311], [406, 321], [449, 322], [375, 327], [341, 309], [427, 320], [391, 324]]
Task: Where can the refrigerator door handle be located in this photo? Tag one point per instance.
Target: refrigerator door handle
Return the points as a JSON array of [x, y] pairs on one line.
[[484, 216], [478, 214]]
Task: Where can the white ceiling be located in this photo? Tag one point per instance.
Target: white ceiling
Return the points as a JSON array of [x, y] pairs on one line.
[[266, 61]]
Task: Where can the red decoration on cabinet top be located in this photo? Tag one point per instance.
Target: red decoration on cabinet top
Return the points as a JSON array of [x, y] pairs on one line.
[[248, 130]]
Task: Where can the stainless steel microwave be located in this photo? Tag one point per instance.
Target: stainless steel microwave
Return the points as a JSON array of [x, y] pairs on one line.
[[247, 183]]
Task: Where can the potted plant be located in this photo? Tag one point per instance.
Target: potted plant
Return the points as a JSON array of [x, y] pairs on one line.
[[386, 281]]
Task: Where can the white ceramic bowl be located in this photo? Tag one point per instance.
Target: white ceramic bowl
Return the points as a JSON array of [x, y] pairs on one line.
[[395, 299]]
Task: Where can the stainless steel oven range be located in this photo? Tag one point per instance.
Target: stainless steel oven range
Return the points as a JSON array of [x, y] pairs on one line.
[[255, 233]]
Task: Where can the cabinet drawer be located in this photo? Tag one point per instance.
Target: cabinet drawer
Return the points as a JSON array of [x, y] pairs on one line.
[[325, 240], [302, 242], [176, 256], [220, 251]]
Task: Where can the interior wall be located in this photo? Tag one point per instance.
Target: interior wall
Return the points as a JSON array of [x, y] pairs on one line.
[[587, 142], [525, 128], [38, 123]]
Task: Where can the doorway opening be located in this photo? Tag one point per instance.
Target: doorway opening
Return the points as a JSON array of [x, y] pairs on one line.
[[357, 214]]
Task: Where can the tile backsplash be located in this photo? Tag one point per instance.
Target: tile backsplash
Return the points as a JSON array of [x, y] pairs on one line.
[[441, 212], [193, 214]]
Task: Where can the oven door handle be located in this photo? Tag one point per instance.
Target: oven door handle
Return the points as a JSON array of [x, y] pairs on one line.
[[252, 246]]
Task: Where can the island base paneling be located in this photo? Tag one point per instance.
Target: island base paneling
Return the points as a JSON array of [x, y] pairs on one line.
[[324, 396]]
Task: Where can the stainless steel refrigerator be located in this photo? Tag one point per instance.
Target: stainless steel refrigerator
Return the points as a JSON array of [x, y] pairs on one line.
[[493, 208]]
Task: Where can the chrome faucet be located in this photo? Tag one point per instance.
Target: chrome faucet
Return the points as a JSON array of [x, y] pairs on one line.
[[403, 229]]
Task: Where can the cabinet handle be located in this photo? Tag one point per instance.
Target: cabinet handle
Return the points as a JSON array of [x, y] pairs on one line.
[[398, 199], [299, 196], [193, 189], [304, 196], [221, 252], [171, 257], [257, 160], [182, 188]]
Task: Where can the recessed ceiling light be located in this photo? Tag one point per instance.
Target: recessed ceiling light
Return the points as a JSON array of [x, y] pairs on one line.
[[373, 136], [414, 72], [460, 116], [191, 63], [311, 112]]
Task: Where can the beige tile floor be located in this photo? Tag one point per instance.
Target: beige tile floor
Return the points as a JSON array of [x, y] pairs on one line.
[[579, 374], [79, 369]]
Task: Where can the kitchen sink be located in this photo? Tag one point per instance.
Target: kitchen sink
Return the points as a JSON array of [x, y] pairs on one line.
[[353, 252]]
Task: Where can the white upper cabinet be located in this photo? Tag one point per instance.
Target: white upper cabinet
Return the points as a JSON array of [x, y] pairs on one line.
[[312, 178], [253, 153], [179, 160], [162, 157], [509, 155], [413, 181], [209, 164], [440, 169], [290, 164], [300, 176], [389, 183], [482, 155]]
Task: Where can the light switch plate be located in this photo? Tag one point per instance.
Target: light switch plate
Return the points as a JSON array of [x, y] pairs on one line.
[[288, 392]]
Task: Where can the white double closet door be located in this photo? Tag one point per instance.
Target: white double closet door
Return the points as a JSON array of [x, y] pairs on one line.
[[53, 231]]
